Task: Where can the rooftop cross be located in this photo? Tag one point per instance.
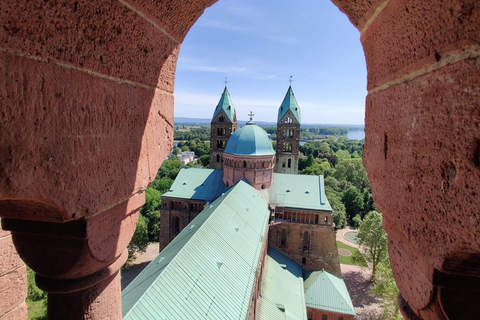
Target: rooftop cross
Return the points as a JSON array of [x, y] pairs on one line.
[[226, 81], [251, 115], [291, 80]]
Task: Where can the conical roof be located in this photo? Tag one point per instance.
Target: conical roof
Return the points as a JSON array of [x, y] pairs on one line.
[[250, 140], [289, 103], [226, 105]]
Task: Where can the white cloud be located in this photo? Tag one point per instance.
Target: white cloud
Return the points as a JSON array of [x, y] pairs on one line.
[[253, 68]]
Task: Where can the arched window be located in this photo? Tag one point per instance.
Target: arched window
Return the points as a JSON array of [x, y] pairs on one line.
[[283, 238], [283, 162], [221, 119], [304, 261], [244, 164], [218, 158], [306, 240], [324, 317], [175, 225], [289, 163]]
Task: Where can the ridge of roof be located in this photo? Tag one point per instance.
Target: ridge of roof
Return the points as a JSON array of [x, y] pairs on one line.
[[327, 292], [225, 103], [289, 103]]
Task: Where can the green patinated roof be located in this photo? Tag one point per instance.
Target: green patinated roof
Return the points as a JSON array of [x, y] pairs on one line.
[[226, 105], [281, 286], [299, 191], [250, 140], [208, 271], [327, 292], [289, 103], [197, 184]]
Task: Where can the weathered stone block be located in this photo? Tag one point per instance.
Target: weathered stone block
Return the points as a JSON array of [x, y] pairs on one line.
[[358, 11], [13, 289], [175, 17], [101, 36], [422, 142], [9, 259], [89, 134], [18, 313], [395, 43]]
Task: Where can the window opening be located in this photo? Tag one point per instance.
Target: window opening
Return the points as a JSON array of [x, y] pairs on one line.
[[176, 225], [283, 238]]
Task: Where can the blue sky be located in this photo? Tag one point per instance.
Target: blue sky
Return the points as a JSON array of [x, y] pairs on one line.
[[258, 45]]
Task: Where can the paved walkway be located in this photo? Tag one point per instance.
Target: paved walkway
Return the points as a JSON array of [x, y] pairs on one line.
[[342, 239], [366, 305], [140, 263]]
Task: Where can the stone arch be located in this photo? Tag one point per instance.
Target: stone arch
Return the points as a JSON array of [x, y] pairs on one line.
[[407, 51]]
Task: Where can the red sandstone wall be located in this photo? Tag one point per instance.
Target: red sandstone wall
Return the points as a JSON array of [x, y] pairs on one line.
[[322, 253], [13, 280], [422, 145], [318, 314]]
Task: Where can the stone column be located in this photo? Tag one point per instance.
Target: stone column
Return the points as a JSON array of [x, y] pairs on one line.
[[78, 262]]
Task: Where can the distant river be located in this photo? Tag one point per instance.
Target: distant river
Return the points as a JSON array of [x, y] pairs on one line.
[[356, 135]]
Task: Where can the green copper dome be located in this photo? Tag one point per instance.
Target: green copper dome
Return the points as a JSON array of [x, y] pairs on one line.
[[250, 140]]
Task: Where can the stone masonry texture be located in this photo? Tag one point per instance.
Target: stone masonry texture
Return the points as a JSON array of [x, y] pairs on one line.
[[86, 118]]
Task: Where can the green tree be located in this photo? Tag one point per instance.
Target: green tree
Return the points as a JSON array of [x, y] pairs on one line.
[[386, 288], [162, 185], [139, 242], [339, 217], [368, 204], [170, 168], [205, 161], [353, 201], [353, 171], [151, 212], [374, 239]]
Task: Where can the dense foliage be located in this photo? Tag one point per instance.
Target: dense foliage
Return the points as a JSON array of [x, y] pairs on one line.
[[190, 133], [374, 239], [36, 298], [139, 242], [346, 182]]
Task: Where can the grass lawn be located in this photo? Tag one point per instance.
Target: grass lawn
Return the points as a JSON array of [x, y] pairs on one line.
[[37, 310], [355, 259]]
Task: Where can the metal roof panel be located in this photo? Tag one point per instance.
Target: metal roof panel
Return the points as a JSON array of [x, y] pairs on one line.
[[207, 272]]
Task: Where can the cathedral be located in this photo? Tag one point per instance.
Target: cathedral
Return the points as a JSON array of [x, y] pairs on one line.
[[248, 238]]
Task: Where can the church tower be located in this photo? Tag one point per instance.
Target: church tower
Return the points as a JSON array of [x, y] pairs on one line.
[[224, 123], [288, 135]]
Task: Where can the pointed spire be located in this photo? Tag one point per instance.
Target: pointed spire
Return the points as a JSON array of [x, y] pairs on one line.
[[226, 105], [289, 103]]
